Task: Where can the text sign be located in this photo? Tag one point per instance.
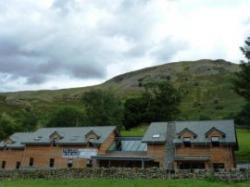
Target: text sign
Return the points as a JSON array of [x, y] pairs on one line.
[[70, 153], [87, 153], [79, 153]]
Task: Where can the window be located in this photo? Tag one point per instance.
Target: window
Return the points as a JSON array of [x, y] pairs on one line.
[[191, 165], [91, 136], [18, 164], [51, 162], [54, 143], [3, 164], [70, 163], [187, 141], [215, 141], [218, 167], [89, 163], [31, 162]]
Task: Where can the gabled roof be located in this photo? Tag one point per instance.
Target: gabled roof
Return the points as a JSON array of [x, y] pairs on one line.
[[55, 133], [92, 132], [17, 141], [157, 128], [200, 128], [214, 129], [187, 130]]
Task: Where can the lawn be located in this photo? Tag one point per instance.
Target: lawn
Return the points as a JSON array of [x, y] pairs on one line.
[[137, 131], [120, 183], [243, 155]]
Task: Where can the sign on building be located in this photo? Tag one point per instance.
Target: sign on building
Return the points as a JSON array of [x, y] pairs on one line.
[[87, 153], [79, 153], [70, 153]]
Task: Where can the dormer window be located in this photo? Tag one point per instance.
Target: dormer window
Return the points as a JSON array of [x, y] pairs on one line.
[[55, 136], [91, 136], [8, 141], [214, 132], [215, 140], [187, 133], [187, 141]]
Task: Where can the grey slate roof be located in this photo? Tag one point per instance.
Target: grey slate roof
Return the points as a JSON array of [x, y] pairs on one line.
[[70, 135], [17, 140], [74, 135], [200, 128]]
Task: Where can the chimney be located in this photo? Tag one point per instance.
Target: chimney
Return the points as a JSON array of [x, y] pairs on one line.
[[170, 147]]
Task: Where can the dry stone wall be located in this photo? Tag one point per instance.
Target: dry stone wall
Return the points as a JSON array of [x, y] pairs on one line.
[[122, 173]]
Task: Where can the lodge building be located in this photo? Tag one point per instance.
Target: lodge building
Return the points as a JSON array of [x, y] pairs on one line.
[[207, 145]]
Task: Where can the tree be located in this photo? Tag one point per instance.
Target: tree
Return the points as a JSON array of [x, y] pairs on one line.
[[164, 101], [243, 118], [242, 84], [27, 120], [242, 80], [102, 108], [134, 112], [66, 116], [159, 102], [7, 126]]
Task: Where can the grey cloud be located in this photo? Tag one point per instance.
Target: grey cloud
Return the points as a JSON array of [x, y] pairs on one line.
[[43, 43], [167, 49]]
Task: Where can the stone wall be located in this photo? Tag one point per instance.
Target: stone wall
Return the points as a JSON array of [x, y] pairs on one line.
[[122, 173]]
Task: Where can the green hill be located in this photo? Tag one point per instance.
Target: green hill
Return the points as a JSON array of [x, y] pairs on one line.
[[205, 83]]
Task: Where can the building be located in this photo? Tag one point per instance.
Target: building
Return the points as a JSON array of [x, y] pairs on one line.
[[175, 146], [206, 145]]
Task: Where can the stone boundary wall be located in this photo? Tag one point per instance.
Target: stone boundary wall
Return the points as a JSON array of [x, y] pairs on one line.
[[123, 173]]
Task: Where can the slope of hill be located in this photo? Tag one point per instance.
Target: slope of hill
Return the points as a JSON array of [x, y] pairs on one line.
[[205, 83]]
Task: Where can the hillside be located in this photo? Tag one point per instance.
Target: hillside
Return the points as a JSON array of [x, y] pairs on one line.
[[206, 84]]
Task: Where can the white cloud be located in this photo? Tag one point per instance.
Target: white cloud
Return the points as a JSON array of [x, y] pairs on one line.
[[57, 44]]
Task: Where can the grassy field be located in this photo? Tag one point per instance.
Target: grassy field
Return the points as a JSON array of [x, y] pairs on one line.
[[120, 183], [243, 155], [137, 131]]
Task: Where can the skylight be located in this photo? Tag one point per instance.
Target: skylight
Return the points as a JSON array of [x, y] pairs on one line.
[[38, 138], [156, 136]]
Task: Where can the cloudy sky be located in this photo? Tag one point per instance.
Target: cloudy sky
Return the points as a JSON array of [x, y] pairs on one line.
[[52, 44]]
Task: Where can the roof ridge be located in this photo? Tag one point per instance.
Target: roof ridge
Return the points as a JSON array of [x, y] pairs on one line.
[[76, 127]]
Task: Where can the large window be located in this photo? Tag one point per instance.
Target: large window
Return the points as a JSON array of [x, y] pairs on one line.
[[51, 162]]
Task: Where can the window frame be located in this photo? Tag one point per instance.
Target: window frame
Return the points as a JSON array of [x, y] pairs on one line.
[[18, 165], [51, 162], [31, 162], [215, 141], [187, 141], [3, 165]]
